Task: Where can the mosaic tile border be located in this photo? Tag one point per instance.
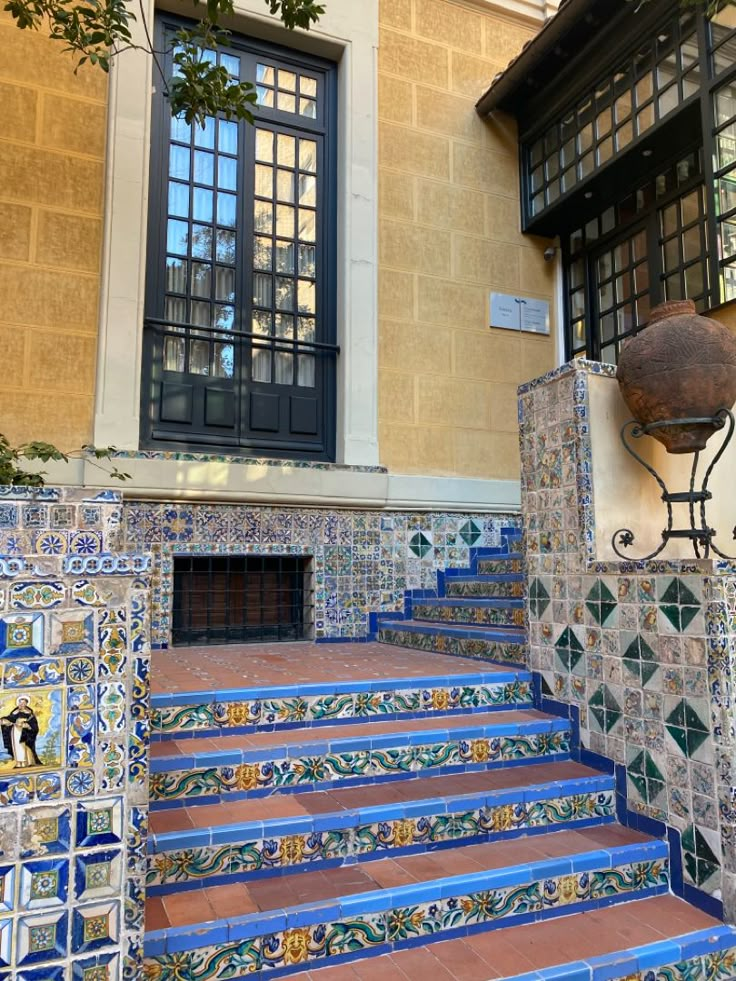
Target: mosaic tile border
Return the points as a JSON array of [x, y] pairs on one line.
[[244, 711], [179, 779], [407, 913]]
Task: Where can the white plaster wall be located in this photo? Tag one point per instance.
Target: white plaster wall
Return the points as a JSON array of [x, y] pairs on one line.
[[626, 496]]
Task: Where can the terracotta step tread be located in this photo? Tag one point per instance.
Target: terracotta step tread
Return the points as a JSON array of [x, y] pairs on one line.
[[183, 669], [513, 950], [342, 799], [188, 908], [187, 746]]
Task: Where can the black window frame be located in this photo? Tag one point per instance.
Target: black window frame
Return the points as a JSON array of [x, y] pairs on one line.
[[325, 347]]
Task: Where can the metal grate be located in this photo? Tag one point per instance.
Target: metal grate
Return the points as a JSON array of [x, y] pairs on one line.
[[232, 599]]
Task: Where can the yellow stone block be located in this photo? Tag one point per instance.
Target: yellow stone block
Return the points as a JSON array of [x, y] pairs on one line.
[[487, 455], [454, 402], [504, 411], [481, 261], [15, 231], [406, 246], [426, 348], [485, 169], [503, 219], [46, 298], [493, 355], [70, 124], [504, 40], [71, 241], [411, 58], [401, 148], [396, 196], [64, 420], [450, 115], [416, 449], [395, 13], [396, 402], [60, 181], [470, 75], [395, 99], [449, 23], [443, 301], [395, 294], [12, 345], [18, 106], [63, 362], [537, 356], [537, 275], [33, 58], [448, 206]]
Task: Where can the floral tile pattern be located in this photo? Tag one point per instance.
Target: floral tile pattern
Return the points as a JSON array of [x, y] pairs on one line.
[[69, 692]]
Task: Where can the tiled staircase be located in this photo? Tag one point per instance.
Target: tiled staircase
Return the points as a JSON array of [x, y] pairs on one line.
[[429, 826]]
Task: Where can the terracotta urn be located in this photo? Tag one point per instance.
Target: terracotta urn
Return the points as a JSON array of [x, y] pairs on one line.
[[680, 366]]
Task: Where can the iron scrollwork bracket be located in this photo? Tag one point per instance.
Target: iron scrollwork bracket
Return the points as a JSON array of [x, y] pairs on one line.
[[699, 532]]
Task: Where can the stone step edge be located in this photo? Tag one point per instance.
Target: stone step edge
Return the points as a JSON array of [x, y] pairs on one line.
[[652, 854], [262, 694], [351, 819], [346, 744], [472, 602], [682, 951], [498, 633]]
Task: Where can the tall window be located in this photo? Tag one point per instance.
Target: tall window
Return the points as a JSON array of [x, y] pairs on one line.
[[240, 327]]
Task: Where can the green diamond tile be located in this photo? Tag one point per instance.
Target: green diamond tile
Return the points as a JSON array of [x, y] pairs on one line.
[[420, 545], [646, 777], [604, 708], [569, 649], [601, 602], [700, 861], [679, 604], [686, 728], [640, 660], [538, 598], [470, 533]]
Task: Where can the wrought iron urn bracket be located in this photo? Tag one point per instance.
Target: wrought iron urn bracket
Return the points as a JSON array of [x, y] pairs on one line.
[[699, 532]]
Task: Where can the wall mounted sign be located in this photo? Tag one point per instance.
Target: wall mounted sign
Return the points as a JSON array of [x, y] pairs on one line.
[[519, 313]]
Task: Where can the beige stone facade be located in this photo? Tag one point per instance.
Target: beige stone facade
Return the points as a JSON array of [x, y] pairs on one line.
[[52, 147], [449, 234], [448, 227]]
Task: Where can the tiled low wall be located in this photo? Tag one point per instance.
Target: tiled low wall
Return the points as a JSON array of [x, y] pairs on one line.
[[74, 662], [643, 653], [363, 560]]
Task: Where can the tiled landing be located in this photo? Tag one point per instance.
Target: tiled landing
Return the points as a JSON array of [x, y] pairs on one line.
[[212, 669]]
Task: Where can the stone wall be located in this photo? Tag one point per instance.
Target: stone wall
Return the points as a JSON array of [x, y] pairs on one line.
[[641, 653], [74, 663], [363, 560], [449, 233], [52, 148]]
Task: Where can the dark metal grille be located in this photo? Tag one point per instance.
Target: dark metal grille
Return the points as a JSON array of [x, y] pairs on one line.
[[231, 599]]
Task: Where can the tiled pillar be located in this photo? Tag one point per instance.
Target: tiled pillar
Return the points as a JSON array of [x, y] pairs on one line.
[[74, 663], [644, 650]]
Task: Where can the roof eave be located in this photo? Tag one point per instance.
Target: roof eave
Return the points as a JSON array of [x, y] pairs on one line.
[[505, 86]]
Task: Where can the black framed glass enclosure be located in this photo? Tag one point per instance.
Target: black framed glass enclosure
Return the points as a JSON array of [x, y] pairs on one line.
[[240, 331]]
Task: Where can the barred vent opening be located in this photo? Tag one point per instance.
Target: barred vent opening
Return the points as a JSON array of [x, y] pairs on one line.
[[235, 599]]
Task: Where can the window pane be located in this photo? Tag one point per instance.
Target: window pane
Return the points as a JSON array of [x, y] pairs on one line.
[[204, 136], [201, 279], [284, 368], [179, 162], [202, 209], [286, 150], [227, 136], [224, 361], [204, 167], [308, 156], [284, 294], [264, 181], [225, 246], [177, 236], [176, 276], [262, 290], [285, 185], [263, 217], [305, 371], [306, 260], [227, 173], [226, 208], [174, 354], [284, 325], [264, 145], [262, 253], [202, 241], [285, 257], [178, 199], [224, 283]]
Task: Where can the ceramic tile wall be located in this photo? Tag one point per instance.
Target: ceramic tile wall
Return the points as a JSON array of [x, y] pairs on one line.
[[363, 560], [644, 651], [74, 663]]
